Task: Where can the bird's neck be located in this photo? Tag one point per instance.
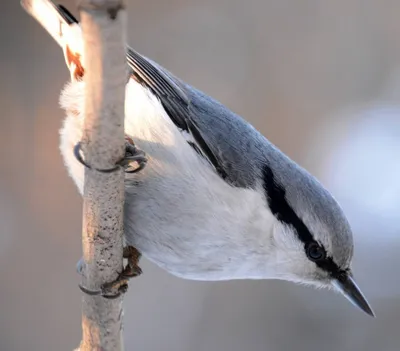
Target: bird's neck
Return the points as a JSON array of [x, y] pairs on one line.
[[252, 225]]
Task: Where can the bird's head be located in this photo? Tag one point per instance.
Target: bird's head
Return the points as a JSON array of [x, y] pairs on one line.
[[312, 242]]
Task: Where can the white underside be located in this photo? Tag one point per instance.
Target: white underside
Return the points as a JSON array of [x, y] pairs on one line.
[[179, 213]]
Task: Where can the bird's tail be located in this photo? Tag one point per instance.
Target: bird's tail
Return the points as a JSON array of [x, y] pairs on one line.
[[64, 29]]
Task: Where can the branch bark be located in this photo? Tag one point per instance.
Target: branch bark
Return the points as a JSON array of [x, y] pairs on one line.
[[104, 39], [103, 144]]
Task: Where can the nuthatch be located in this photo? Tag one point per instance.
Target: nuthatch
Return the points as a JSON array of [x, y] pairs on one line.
[[216, 200]]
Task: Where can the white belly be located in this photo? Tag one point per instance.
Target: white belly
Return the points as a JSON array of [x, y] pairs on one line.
[[179, 213]]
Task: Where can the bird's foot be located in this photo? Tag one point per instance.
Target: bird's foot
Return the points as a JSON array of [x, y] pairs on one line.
[[133, 155], [119, 286]]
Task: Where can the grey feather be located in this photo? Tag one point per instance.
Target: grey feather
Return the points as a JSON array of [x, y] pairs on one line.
[[238, 151], [254, 214], [223, 137]]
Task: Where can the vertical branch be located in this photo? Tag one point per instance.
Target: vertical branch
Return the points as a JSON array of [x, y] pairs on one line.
[[103, 27], [103, 144]]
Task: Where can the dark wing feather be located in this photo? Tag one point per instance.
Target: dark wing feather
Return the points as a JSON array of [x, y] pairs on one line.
[[174, 100]]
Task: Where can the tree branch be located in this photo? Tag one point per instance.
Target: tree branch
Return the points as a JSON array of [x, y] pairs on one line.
[[103, 144]]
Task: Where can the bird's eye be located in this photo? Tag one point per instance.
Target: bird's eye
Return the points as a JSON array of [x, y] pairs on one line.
[[315, 252]]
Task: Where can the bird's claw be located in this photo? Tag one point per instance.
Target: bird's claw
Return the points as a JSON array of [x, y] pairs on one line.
[[132, 155], [116, 288], [119, 286], [132, 269], [110, 290]]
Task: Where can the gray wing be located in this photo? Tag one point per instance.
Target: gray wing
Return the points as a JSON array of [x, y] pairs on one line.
[[228, 142], [235, 149]]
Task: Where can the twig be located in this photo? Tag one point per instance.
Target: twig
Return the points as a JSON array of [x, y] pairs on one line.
[[103, 144]]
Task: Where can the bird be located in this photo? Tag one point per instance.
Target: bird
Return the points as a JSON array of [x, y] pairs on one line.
[[217, 200]]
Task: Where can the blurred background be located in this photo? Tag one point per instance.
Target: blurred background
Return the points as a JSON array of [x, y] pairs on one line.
[[320, 79]]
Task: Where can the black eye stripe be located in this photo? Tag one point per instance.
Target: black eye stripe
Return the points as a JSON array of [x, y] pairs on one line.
[[276, 197]]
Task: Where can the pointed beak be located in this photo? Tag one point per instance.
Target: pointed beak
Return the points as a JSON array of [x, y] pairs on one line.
[[348, 287]]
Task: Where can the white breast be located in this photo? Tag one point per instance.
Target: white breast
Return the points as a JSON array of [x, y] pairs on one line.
[[179, 213]]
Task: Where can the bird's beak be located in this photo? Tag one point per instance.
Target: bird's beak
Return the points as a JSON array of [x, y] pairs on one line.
[[348, 287]]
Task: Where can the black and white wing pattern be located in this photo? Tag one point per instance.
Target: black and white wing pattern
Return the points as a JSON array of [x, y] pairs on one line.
[[175, 101], [216, 133]]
